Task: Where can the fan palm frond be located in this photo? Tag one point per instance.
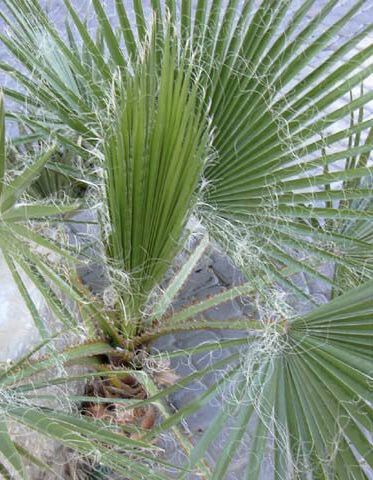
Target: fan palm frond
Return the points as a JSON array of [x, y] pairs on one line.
[[154, 155], [296, 393]]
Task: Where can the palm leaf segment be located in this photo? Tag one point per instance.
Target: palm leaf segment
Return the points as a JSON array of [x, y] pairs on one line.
[[278, 163], [275, 182], [297, 395], [153, 158]]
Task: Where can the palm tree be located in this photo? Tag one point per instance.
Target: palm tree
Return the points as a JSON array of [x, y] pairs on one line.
[[227, 77]]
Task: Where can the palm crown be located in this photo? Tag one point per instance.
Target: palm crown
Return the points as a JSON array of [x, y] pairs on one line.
[[201, 111]]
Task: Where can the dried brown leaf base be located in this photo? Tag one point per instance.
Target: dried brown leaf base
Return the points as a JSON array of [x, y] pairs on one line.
[[124, 387]]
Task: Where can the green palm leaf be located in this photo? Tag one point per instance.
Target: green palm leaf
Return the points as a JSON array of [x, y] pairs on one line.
[[300, 395], [9, 451], [269, 172], [153, 159], [356, 227], [272, 185]]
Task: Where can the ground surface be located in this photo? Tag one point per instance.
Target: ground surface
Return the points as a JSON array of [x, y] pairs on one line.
[[215, 273]]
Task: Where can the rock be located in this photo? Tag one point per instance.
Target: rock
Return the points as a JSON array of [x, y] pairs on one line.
[[225, 270]]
